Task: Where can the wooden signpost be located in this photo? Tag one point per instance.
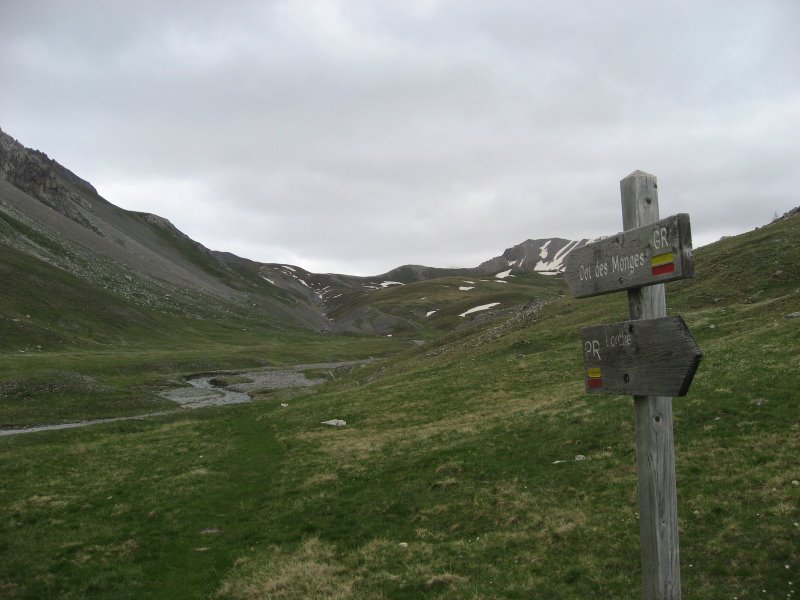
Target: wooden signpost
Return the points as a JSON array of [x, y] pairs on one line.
[[651, 356]]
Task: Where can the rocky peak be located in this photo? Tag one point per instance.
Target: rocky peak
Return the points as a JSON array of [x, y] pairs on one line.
[[533, 255], [42, 178]]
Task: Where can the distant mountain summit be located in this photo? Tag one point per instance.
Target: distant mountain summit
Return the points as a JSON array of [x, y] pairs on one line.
[[542, 256], [545, 256]]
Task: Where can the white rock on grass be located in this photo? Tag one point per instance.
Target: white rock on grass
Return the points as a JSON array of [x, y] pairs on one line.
[[334, 423]]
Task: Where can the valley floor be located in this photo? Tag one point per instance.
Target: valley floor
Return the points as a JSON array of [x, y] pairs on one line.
[[471, 466]]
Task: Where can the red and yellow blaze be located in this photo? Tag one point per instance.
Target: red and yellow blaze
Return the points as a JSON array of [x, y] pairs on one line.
[[595, 379], [663, 263]]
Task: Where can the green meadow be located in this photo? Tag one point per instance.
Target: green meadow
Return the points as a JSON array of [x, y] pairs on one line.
[[472, 465]]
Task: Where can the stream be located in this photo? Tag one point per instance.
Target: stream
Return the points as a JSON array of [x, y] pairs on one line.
[[200, 392]]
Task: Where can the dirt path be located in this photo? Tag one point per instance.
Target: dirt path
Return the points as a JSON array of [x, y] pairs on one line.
[[35, 428]]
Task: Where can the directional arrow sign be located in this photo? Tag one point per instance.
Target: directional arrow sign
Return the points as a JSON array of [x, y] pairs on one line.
[[653, 357], [652, 254]]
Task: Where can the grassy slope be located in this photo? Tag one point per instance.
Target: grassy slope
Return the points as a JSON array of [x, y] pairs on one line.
[[414, 301], [45, 307], [450, 449]]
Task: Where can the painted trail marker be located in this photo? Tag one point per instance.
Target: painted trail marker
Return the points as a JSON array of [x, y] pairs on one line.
[[656, 253], [656, 357], [652, 356]]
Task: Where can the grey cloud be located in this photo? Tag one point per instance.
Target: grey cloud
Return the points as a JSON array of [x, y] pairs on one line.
[[359, 135]]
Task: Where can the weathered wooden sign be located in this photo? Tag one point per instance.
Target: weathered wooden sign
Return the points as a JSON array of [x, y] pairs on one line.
[[653, 357], [652, 254]]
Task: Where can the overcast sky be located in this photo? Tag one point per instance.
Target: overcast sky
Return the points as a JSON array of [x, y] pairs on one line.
[[357, 136]]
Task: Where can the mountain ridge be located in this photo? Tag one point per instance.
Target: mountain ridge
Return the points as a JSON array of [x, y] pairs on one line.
[[53, 215], [35, 173]]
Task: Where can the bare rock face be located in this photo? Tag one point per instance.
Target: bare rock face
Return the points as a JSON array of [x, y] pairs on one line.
[[39, 176]]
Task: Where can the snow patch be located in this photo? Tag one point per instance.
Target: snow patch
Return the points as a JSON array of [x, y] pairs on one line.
[[386, 284], [511, 263], [466, 288], [479, 308], [430, 312], [269, 280], [543, 250], [292, 269], [557, 263], [503, 274], [469, 282]]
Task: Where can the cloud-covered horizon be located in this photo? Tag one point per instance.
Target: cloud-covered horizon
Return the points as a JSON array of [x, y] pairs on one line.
[[357, 136]]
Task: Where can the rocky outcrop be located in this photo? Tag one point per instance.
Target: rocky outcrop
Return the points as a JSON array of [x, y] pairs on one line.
[[791, 213], [42, 178]]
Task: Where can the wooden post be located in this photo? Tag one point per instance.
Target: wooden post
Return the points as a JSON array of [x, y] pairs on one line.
[[655, 444], [650, 356]]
